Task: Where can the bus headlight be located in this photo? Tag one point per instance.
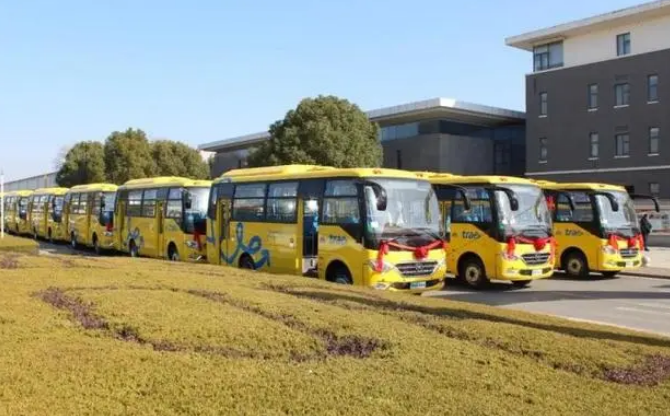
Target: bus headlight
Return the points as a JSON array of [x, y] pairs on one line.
[[382, 286], [386, 266], [609, 250]]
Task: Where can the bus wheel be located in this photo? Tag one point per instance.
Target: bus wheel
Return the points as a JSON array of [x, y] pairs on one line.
[[576, 265], [473, 273], [173, 253], [521, 283], [247, 263], [133, 250], [339, 274], [96, 245]]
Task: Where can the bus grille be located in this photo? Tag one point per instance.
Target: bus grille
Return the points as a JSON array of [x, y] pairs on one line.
[[628, 253], [417, 269], [535, 259]]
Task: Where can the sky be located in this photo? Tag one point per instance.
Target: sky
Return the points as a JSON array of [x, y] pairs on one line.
[[205, 70]]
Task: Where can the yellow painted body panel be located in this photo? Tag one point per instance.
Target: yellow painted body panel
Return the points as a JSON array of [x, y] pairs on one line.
[[17, 220], [87, 227], [41, 216]]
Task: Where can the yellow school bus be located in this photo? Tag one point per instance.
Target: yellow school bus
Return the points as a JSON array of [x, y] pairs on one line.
[[46, 214], [164, 217], [379, 228], [16, 212], [596, 227], [89, 211], [498, 228]]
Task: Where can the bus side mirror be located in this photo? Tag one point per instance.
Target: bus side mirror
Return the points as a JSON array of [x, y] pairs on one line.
[[188, 200], [466, 201], [513, 200], [613, 202], [380, 196], [657, 207], [102, 203], [571, 202]]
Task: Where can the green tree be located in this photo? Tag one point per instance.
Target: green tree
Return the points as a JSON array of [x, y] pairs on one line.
[[325, 130], [128, 156], [178, 159], [83, 164]]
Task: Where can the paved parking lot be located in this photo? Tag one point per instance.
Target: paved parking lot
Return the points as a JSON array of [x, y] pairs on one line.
[[633, 302]]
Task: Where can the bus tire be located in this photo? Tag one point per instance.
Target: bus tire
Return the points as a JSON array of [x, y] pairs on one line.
[[173, 253], [96, 245], [246, 262], [520, 283], [471, 270], [338, 273], [133, 250], [575, 264]]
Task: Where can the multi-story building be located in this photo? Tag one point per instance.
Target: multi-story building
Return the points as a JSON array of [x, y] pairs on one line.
[[35, 182], [598, 99], [441, 135]]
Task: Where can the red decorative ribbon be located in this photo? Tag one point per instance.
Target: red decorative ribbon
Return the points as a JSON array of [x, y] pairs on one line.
[[420, 253], [633, 242], [538, 243], [551, 203]]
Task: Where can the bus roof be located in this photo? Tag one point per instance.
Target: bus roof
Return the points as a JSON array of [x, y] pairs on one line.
[[95, 187], [574, 186], [50, 191], [449, 179], [164, 182], [277, 173], [21, 193]]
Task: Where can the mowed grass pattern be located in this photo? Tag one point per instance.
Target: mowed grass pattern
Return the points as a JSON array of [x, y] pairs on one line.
[[122, 336]]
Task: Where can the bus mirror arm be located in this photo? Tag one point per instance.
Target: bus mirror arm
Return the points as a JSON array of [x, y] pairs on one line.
[[571, 202], [464, 195], [380, 195], [188, 200], [511, 195], [613, 202], [657, 207]]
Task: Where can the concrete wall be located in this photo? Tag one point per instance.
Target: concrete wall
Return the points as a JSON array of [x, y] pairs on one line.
[[43, 181], [569, 123]]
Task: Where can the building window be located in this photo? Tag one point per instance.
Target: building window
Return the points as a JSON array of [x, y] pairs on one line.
[[543, 104], [652, 88], [594, 145], [622, 145], [654, 133], [548, 56], [543, 150], [623, 44], [622, 93], [654, 189], [398, 154], [593, 96]]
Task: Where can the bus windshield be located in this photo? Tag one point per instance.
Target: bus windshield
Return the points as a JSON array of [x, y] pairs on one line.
[[533, 214], [625, 219], [195, 219], [412, 215]]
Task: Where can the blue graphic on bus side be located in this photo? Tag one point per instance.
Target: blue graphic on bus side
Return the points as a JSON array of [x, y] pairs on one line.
[[254, 247]]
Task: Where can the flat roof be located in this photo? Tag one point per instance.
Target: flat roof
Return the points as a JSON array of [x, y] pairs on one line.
[[632, 14], [434, 108]]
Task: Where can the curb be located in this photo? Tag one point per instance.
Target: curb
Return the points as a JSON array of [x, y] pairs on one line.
[[653, 275]]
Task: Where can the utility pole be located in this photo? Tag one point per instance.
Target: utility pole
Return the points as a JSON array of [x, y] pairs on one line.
[[2, 205]]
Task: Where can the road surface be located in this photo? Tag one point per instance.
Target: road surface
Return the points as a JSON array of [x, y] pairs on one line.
[[637, 303]]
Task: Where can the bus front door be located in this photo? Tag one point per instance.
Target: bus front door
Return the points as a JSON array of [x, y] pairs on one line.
[[310, 237]]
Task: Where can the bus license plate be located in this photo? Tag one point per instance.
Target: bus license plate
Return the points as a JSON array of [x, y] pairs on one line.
[[417, 285], [537, 272], [629, 264]]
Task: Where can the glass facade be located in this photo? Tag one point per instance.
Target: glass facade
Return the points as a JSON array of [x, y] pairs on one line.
[[435, 126]]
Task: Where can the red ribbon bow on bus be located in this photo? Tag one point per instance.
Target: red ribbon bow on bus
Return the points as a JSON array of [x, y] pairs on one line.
[[633, 242], [538, 243], [420, 253]]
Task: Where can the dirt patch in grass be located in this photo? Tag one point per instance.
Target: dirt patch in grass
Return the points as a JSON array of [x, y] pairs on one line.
[[335, 345], [652, 371], [81, 312], [9, 261]]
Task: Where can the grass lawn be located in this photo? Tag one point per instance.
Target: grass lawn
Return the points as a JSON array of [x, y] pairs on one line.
[[17, 244], [126, 336]]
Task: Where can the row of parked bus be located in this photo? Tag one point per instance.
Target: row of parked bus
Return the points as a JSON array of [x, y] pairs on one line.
[[382, 228]]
